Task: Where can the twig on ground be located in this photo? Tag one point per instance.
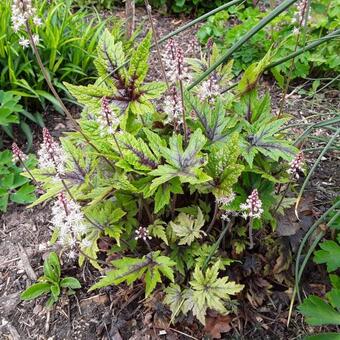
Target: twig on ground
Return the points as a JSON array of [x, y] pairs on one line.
[[26, 263]]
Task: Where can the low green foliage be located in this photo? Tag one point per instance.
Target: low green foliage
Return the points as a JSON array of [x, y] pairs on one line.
[[13, 186], [326, 311], [174, 6], [67, 44], [51, 282], [11, 112], [229, 26]]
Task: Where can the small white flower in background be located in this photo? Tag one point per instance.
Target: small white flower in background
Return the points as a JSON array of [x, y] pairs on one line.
[[24, 42], [173, 107], [142, 233], [36, 39], [225, 200], [51, 154], [18, 155], [296, 31], [22, 10], [107, 119], [296, 166], [253, 206], [209, 89], [68, 218], [37, 21], [72, 254]]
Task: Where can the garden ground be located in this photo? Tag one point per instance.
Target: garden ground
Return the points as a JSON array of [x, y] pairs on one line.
[[120, 312]]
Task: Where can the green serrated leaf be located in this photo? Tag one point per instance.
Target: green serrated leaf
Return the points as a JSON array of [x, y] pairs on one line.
[[318, 312]]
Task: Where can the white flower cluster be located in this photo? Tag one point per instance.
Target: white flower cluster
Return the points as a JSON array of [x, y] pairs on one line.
[[51, 154], [253, 206], [209, 90], [296, 166], [25, 42], [18, 155], [22, 11], [173, 107], [107, 119], [69, 220], [173, 59], [142, 233]]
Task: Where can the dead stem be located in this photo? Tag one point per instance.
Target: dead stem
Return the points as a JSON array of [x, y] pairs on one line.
[[213, 219], [251, 240], [183, 111], [155, 37]]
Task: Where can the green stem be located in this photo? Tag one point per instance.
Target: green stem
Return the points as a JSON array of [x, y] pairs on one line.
[[217, 243], [213, 219], [28, 171]]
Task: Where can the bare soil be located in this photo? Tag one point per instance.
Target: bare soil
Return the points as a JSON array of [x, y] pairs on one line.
[[120, 312]]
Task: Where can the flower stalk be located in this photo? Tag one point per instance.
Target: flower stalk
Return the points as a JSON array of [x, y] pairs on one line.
[[19, 156]]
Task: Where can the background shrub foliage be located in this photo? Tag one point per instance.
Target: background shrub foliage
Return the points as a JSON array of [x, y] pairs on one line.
[[175, 6], [228, 26], [163, 196], [67, 44]]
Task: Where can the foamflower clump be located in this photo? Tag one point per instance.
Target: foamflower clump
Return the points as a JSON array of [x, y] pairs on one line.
[[108, 121], [253, 206], [22, 11], [68, 219], [142, 233], [51, 154], [296, 166], [18, 155]]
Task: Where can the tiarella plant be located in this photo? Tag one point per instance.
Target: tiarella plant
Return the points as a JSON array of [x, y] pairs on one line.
[[175, 182]]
